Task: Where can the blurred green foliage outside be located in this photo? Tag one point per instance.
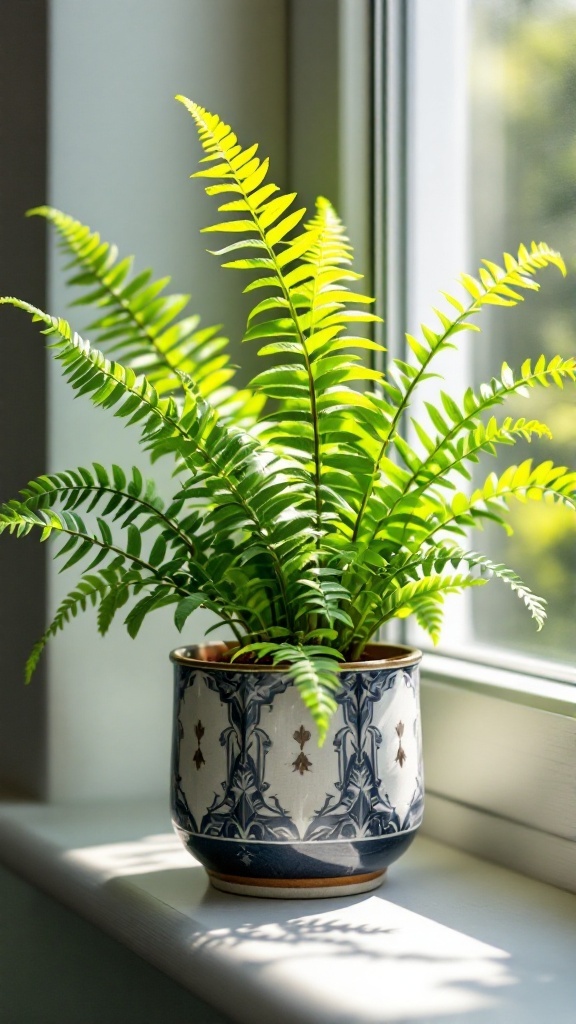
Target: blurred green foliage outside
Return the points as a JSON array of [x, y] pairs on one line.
[[523, 187]]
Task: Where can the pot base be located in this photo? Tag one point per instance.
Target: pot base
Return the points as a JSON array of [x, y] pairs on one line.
[[297, 888]]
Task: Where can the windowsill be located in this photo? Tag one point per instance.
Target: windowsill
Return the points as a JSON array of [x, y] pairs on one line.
[[448, 937], [500, 765], [508, 677]]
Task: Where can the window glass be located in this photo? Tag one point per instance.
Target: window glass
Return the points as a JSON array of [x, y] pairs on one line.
[[522, 186]]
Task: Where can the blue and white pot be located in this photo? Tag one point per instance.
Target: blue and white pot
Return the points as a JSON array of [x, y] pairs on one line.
[[268, 812]]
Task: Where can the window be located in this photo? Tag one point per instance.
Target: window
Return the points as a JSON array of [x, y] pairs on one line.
[[492, 163], [489, 162], [522, 174]]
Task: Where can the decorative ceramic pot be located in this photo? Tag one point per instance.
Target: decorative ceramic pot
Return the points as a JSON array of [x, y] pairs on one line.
[[268, 812]]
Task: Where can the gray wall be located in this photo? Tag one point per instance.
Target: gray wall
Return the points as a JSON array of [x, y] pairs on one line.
[[121, 152]]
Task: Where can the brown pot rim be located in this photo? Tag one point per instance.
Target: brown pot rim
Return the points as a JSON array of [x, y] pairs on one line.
[[200, 655]]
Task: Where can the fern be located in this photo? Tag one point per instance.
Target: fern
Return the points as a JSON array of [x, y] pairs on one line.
[[302, 516], [311, 299], [142, 326]]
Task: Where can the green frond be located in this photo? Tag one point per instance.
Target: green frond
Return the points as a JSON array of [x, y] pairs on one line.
[[500, 286], [408, 592], [81, 539], [496, 286], [111, 602], [428, 613], [125, 498], [218, 458], [525, 482], [140, 325], [320, 597], [108, 384], [451, 454], [262, 218], [406, 599], [89, 591], [306, 316], [193, 432], [535, 605], [459, 439]]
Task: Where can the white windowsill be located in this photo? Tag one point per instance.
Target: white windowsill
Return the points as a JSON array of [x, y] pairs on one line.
[[448, 938], [526, 681], [500, 764]]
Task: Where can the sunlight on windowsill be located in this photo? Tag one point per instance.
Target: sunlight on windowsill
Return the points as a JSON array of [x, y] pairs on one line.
[[385, 945], [448, 937], [144, 856]]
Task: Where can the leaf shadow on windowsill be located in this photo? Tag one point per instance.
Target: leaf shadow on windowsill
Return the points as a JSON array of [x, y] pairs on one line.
[[447, 937], [323, 951]]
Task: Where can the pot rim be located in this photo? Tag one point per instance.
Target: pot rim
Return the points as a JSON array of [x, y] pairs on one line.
[[200, 655]]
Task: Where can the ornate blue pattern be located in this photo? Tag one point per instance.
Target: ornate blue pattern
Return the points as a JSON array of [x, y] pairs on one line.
[[415, 812], [244, 812], [361, 810], [181, 809]]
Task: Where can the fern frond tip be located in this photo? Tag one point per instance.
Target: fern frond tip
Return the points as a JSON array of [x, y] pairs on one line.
[[541, 248], [46, 211]]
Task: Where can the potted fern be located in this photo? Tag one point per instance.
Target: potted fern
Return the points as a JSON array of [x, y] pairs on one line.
[[302, 517]]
